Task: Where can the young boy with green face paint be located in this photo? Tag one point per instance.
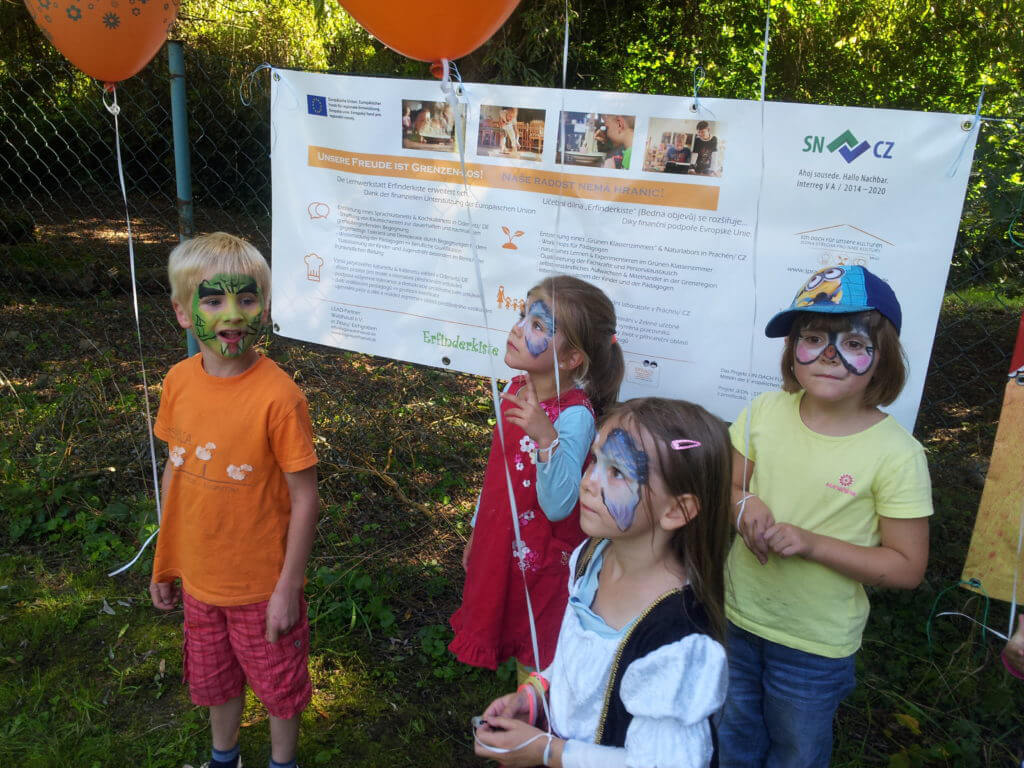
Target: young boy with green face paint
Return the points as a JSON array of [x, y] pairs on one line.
[[227, 314], [240, 500]]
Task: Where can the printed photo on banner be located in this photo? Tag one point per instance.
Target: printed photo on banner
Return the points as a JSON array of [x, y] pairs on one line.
[[429, 125], [684, 146], [596, 140], [510, 132]]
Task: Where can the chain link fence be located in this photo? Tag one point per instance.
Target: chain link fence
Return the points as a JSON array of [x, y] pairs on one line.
[[70, 379], [65, 287]]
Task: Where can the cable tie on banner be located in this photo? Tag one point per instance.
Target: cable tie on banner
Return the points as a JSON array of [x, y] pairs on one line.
[[445, 71], [115, 110], [973, 583], [972, 130], [699, 75], [246, 86]]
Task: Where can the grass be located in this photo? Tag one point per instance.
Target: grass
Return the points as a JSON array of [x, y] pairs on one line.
[[90, 672]]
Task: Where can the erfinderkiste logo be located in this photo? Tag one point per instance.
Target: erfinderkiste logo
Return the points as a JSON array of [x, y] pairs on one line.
[[440, 339], [316, 105], [849, 146]]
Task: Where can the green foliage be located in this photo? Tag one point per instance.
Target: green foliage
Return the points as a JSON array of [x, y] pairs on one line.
[[286, 34], [349, 601], [401, 453], [891, 54], [401, 449], [875, 53]]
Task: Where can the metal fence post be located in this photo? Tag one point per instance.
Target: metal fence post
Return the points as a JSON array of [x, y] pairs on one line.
[[182, 156]]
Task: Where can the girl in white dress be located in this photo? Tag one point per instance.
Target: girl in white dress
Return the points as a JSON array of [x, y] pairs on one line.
[[639, 673]]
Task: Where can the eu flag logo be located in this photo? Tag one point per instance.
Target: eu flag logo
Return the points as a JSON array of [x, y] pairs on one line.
[[316, 105]]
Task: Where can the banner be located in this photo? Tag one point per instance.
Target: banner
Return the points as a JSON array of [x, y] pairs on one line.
[[992, 558], [654, 199]]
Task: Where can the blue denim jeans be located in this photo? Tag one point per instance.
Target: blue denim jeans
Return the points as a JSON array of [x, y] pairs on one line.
[[780, 705]]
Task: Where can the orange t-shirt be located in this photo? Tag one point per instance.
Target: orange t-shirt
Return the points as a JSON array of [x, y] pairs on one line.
[[227, 506]]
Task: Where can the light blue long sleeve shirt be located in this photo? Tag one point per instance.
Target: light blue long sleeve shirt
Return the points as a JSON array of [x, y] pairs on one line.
[[558, 479]]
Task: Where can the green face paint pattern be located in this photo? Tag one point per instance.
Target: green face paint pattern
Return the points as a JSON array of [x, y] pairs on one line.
[[226, 313]]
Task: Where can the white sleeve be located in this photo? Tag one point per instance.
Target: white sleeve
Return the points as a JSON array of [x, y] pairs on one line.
[[671, 693], [583, 754]]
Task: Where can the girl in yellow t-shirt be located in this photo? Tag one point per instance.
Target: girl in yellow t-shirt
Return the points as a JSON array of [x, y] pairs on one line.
[[829, 494]]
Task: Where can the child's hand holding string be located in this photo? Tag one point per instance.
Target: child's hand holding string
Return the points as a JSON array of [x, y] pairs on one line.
[[505, 726], [755, 521], [529, 416], [511, 705], [506, 733]]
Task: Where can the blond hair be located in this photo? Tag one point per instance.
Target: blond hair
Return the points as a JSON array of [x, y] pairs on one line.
[[218, 252]]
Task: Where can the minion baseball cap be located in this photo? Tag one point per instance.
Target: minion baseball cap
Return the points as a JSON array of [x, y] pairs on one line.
[[839, 291]]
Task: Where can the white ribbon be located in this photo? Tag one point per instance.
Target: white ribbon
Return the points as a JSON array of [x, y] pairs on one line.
[[753, 269], [453, 94], [115, 110]]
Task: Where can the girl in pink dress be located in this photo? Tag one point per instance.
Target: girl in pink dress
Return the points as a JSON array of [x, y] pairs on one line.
[[548, 430]]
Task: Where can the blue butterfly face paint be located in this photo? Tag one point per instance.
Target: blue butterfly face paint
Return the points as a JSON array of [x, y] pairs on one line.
[[538, 325], [621, 468]]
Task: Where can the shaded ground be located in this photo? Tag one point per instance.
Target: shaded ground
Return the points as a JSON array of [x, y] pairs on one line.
[[402, 451]]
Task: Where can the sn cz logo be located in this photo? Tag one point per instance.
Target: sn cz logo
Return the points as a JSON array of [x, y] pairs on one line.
[[848, 146]]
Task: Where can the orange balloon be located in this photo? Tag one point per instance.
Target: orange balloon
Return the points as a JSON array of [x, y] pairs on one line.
[[110, 40], [431, 30]]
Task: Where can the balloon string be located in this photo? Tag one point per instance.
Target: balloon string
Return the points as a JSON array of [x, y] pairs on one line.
[[973, 584], [558, 208], [507, 750], [115, 110], [753, 265], [452, 94], [1016, 568], [981, 624]]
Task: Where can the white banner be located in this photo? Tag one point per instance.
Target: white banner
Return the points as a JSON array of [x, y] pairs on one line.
[[656, 202]]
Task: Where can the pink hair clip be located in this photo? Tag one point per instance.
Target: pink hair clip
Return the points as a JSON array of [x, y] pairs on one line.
[[684, 445]]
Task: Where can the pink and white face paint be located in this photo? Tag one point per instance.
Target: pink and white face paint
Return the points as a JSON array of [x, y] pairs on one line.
[[853, 348]]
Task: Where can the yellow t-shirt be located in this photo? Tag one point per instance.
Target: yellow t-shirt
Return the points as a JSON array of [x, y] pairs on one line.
[[227, 509], [834, 486]]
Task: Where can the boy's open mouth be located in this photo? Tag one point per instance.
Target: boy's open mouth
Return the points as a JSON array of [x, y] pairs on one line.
[[231, 337]]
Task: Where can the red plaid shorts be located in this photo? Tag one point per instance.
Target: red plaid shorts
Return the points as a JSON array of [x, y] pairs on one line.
[[225, 648]]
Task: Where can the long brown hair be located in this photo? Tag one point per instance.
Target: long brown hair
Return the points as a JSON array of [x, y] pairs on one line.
[[586, 318], [706, 473]]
